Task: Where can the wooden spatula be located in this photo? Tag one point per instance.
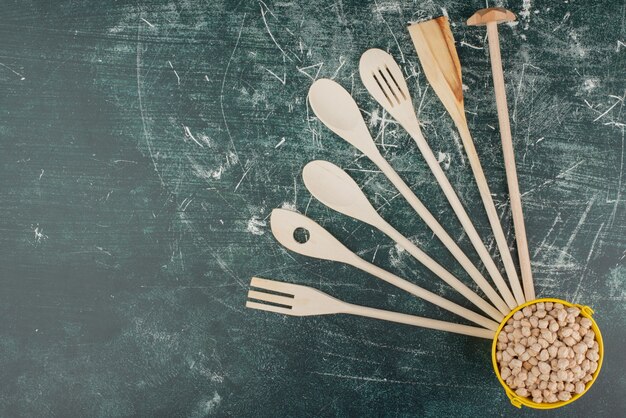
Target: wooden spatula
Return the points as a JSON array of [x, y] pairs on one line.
[[336, 189], [298, 300], [321, 244], [383, 78], [436, 51]]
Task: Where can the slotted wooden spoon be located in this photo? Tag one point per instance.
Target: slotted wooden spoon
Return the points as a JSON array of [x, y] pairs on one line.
[[383, 78]]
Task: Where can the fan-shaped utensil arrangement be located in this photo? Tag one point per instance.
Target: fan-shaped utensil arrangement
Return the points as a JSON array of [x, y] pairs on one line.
[[546, 352]]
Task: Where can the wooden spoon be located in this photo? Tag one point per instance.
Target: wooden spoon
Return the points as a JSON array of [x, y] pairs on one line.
[[321, 244], [336, 189], [334, 106]]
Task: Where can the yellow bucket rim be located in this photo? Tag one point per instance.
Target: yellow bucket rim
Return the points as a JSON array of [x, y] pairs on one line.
[[517, 400]]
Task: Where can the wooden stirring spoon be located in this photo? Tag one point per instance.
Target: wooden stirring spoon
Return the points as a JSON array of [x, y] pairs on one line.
[[334, 106], [336, 189], [321, 244]]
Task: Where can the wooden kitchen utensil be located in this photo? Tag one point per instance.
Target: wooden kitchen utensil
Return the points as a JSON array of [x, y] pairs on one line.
[[434, 43], [334, 106], [336, 189], [321, 244], [383, 78], [305, 301], [491, 17]]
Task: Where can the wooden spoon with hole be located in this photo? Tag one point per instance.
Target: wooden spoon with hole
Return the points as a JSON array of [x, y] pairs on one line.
[[321, 244]]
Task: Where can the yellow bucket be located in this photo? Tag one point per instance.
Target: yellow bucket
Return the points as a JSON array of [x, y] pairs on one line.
[[518, 401]]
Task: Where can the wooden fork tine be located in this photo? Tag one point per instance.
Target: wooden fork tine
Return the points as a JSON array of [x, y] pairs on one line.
[[275, 286], [270, 308], [269, 297]]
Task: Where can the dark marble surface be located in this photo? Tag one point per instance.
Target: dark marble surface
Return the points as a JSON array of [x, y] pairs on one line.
[[143, 145]]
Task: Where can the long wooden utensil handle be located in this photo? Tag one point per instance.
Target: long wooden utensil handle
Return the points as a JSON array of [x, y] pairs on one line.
[[492, 213], [441, 234], [460, 212], [323, 245], [509, 160], [435, 48], [419, 321], [424, 294], [337, 190], [441, 272]]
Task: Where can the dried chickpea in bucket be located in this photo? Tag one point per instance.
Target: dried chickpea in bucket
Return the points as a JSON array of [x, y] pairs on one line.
[[547, 352]]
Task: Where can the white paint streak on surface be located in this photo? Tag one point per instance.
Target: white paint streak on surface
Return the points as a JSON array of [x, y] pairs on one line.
[[619, 100], [289, 206], [148, 23], [175, 72], [242, 177], [524, 14], [283, 80], [255, 226], [444, 157], [318, 66], [188, 134], [581, 222], [463, 43], [146, 133], [282, 141], [22, 78], [39, 235]]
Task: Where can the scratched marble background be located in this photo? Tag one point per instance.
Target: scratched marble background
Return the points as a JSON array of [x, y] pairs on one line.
[[144, 144]]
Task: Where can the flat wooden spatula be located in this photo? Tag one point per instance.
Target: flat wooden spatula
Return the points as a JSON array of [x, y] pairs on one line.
[[434, 43]]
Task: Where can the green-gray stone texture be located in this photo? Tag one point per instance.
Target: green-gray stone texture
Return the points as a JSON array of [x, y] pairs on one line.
[[143, 145]]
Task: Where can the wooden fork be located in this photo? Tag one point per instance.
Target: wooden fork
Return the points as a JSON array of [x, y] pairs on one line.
[[298, 300]]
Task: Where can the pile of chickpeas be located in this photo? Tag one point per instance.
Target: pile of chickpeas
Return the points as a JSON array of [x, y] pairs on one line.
[[547, 352]]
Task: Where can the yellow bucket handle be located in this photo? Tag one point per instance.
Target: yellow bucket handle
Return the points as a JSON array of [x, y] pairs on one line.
[[514, 400]]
